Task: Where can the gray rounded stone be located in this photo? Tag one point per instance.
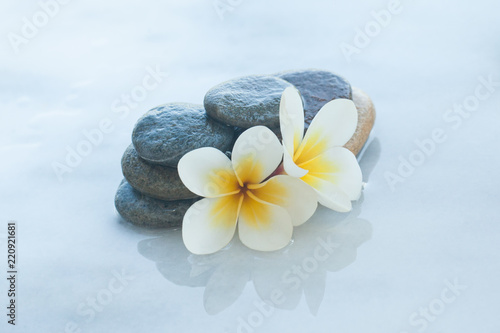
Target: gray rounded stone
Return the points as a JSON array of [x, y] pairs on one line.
[[247, 101], [317, 88], [154, 180], [145, 211], [164, 134]]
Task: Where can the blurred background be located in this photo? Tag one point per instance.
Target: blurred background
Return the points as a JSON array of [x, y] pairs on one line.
[[67, 65]]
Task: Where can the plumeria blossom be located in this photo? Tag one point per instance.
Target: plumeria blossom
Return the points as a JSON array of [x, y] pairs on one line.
[[318, 157], [238, 194]]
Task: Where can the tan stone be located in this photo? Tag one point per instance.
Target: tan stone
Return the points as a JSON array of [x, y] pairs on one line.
[[366, 119]]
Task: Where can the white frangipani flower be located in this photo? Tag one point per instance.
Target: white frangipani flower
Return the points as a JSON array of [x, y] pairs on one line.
[[237, 193], [318, 157]]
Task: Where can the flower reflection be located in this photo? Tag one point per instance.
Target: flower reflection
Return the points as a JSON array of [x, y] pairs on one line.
[[327, 243]]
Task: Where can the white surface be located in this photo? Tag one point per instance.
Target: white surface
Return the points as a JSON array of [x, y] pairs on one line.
[[441, 224]]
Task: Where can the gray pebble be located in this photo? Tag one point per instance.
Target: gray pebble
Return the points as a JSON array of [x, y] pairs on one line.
[[247, 101], [164, 134], [145, 211], [154, 180], [317, 88]]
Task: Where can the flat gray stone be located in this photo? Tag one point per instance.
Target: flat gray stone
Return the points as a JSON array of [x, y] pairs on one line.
[[154, 180], [247, 101], [145, 211], [164, 134], [317, 88]]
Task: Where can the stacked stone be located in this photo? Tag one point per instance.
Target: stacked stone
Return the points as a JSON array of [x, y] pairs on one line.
[[152, 193]]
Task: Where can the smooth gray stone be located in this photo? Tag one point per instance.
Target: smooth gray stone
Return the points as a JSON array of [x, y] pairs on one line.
[[247, 101], [164, 134], [317, 88], [239, 130], [145, 211], [154, 180]]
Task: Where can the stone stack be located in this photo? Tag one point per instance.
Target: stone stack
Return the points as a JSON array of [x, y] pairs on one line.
[[152, 193]]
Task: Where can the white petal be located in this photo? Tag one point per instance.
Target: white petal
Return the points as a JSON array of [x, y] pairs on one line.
[[263, 226], [338, 166], [331, 196], [209, 224], [207, 172], [290, 167], [256, 154], [332, 126], [291, 119], [298, 198], [348, 176]]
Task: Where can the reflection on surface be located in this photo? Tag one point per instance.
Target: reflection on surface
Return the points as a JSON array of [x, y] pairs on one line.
[[328, 242], [369, 157]]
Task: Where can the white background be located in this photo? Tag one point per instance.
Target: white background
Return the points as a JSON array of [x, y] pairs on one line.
[[440, 224]]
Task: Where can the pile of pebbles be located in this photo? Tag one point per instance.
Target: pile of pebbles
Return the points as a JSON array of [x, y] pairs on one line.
[[152, 193]]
